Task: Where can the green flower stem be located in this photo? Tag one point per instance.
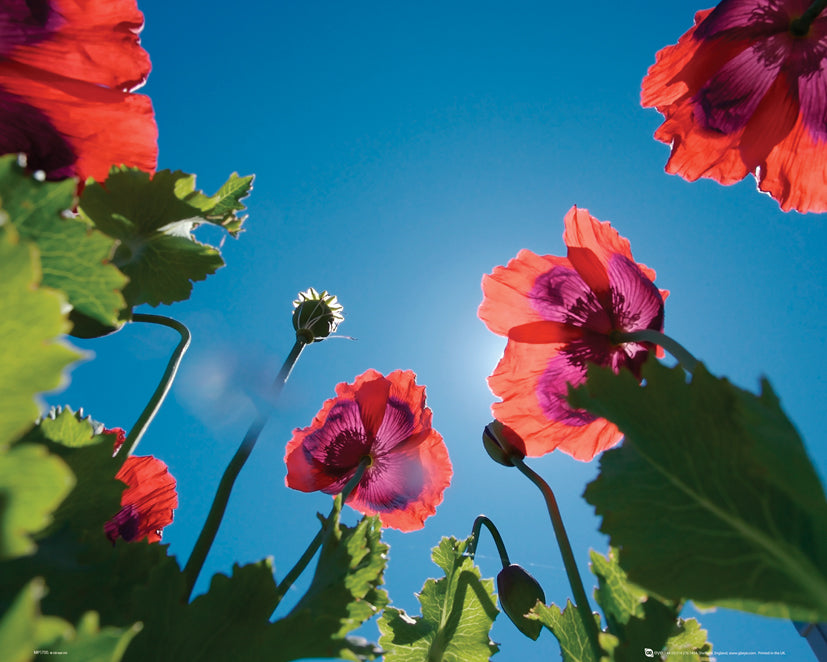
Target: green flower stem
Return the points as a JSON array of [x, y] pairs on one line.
[[165, 384], [323, 533], [475, 536], [677, 350], [580, 599], [801, 25], [225, 487]]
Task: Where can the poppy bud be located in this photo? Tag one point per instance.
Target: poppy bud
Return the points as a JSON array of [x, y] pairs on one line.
[[502, 443], [519, 592], [316, 315]]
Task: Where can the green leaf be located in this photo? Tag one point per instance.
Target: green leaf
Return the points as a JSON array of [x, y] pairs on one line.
[[232, 620], [567, 626], [65, 427], [25, 633], [712, 497], [457, 613], [32, 358], [75, 257], [33, 483], [344, 594], [153, 218]]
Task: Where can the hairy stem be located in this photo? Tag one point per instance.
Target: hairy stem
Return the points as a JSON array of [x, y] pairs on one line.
[[475, 535], [672, 346]]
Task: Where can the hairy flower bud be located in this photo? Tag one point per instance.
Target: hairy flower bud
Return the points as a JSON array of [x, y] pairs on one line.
[[316, 315], [502, 443], [519, 592]]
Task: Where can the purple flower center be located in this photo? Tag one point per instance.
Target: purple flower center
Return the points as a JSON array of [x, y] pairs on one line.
[[395, 476], [561, 295], [772, 48]]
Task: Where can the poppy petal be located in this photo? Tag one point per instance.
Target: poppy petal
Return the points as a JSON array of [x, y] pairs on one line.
[[636, 302], [545, 332], [561, 295], [372, 397], [92, 40], [104, 127], [147, 503], [516, 381], [505, 302]]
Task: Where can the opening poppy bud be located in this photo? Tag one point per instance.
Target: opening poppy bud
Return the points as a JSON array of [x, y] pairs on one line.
[[502, 443], [316, 315], [519, 592]]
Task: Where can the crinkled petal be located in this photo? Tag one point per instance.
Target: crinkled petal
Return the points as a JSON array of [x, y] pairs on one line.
[[95, 41], [419, 475], [516, 380], [148, 502], [561, 295], [104, 127], [506, 290], [25, 22], [795, 172]]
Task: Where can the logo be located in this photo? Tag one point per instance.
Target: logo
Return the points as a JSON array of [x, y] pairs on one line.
[[648, 652]]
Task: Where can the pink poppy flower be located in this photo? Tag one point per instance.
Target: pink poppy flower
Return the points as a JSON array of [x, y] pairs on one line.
[[384, 419], [559, 315], [743, 91], [66, 71]]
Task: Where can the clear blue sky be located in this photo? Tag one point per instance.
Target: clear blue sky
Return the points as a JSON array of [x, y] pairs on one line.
[[400, 152]]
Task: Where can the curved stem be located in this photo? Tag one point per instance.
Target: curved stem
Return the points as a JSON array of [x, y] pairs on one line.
[[580, 599], [323, 533], [157, 399], [225, 487], [475, 536], [672, 346], [801, 25]]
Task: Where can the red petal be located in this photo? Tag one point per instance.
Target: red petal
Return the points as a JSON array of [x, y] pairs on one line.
[[515, 380], [105, 127], [584, 231], [97, 42], [505, 302], [372, 397], [545, 332], [151, 492]]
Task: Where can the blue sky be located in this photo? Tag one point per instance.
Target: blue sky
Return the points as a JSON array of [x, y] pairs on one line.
[[401, 151]]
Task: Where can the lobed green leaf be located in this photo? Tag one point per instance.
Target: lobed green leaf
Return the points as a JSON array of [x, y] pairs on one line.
[[75, 257], [457, 613]]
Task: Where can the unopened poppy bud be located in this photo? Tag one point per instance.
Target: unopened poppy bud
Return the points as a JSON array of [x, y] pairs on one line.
[[316, 315], [502, 443], [519, 592]]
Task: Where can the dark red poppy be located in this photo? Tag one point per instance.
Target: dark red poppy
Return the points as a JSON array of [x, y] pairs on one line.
[[560, 314], [149, 500], [743, 91], [67, 68], [384, 419]]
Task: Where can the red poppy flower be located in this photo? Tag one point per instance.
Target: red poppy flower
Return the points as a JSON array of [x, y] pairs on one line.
[[385, 419], [66, 68], [147, 502], [559, 314], [743, 92]]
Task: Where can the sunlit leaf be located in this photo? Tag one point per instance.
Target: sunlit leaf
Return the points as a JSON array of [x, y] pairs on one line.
[[75, 257], [31, 357], [567, 626], [457, 613], [153, 217], [344, 594], [712, 497]]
